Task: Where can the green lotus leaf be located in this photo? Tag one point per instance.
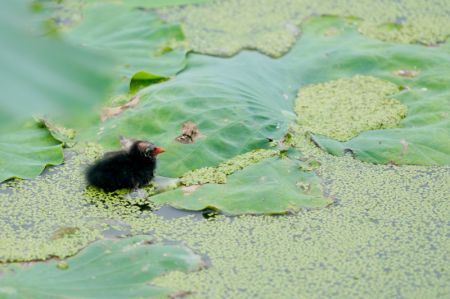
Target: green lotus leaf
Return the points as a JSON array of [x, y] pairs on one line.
[[142, 79], [138, 39], [422, 138], [65, 135], [273, 186], [44, 75], [235, 104], [428, 145], [106, 269], [24, 153], [238, 102]]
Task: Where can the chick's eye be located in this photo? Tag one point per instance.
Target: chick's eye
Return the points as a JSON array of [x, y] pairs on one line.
[[148, 150]]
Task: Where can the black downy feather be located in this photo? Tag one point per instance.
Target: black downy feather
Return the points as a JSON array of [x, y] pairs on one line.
[[129, 169]]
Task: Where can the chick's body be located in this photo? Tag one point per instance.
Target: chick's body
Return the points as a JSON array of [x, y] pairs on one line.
[[125, 169]]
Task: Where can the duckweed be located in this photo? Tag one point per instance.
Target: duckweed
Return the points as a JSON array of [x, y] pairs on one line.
[[218, 175], [343, 108], [271, 26], [385, 235]]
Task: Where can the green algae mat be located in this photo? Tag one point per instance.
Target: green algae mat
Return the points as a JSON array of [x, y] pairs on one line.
[[307, 150]]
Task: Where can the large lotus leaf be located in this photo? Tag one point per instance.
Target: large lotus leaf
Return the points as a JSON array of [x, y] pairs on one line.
[[235, 103], [423, 136], [138, 39], [107, 269], [44, 75], [273, 186], [24, 153]]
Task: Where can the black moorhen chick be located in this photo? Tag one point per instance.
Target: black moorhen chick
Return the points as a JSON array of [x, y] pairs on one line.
[[132, 168]]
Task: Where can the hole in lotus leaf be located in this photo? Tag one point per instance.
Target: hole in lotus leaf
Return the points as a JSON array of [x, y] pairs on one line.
[[349, 151], [344, 108], [63, 232], [63, 265]]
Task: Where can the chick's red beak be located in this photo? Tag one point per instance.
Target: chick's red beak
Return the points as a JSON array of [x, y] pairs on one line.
[[158, 150]]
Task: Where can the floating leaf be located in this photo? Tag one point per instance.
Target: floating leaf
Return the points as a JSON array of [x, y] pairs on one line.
[[273, 186], [65, 135], [426, 126], [44, 75], [239, 102], [134, 38], [106, 269], [427, 145], [233, 118], [24, 153], [422, 137]]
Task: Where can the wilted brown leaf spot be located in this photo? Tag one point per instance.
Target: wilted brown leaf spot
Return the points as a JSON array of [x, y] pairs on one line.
[[114, 111], [406, 73], [189, 189], [189, 133]]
